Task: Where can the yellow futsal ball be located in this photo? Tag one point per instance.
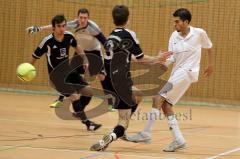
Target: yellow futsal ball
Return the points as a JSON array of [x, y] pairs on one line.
[[26, 72]]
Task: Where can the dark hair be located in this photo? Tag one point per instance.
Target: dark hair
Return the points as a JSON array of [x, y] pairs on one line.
[[83, 10], [120, 14], [184, 14], [58, 19]]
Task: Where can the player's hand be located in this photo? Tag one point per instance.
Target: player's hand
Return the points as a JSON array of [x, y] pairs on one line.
[[209, 71], [101, 77], [33, 29], [164, 55]]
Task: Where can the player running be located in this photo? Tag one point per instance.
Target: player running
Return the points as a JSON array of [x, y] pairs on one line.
[[90, 37], [185, 43], [121, 44], [56, 48]]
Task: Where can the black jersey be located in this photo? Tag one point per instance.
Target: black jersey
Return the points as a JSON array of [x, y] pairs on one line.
[[120, 46], [56, 52]]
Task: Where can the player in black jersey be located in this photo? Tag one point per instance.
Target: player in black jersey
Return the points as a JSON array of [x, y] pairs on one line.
[[121, 44], [90, 37], [56, 48]]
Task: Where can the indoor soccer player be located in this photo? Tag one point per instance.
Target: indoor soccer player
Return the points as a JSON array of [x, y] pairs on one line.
[[186, 44], [121, 44], [56, 48], [90, 37]]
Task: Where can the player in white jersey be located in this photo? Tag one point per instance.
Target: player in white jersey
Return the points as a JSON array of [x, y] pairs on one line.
[[186, 44], [90, 37]]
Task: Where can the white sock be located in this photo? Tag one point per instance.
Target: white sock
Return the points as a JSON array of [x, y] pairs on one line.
[[173, 125], [114, 136], [151, 117]]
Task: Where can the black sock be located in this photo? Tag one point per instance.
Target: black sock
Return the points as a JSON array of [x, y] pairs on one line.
[[110, 101], [118, 131], [86, 122], [79, 106]]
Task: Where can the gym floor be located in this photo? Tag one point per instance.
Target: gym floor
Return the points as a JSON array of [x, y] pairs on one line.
[[31, 129]]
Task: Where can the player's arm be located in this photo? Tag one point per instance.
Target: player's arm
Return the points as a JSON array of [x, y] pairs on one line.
[[207, 44], [32, 61], [140, 57], [136, 50], [209, 70], [79, 51], [96, 32], [152, 60], [101, 38], [39, 51], [33, 29]]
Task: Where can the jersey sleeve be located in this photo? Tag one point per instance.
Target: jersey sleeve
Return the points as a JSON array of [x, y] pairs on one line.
[[41, 49], [205, 41], [73, 42], [101, 38], [171, 59], [135, 48], [94, 28], [72, 24], [170, 43]]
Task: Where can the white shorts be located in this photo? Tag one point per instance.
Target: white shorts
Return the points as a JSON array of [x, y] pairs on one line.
[[177, 85]]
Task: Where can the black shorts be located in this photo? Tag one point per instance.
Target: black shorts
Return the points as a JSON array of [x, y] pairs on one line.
[[76, 82], [95, 62], [76, 78], [121, 90]]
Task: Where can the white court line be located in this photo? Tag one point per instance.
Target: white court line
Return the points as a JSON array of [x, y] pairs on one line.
[[140, 156], [84, 151], [209, 135], [110, 127], [224, 153]]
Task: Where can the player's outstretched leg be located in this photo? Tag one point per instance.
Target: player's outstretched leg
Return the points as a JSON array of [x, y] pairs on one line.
[[145, 135], [118, 131], [78, 107], [178, 139]]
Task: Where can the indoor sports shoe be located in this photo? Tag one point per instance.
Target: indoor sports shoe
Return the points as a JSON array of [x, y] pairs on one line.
[[140, 137], [102, 144], [111, 109], [173, 146], [56, 104], [91, 126]]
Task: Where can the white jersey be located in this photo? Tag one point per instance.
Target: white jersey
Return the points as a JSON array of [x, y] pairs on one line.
[[86, 36], [187, 51], [186, 58]]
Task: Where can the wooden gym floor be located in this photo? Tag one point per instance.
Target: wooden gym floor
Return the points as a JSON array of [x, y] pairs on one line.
[[29, 129]]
